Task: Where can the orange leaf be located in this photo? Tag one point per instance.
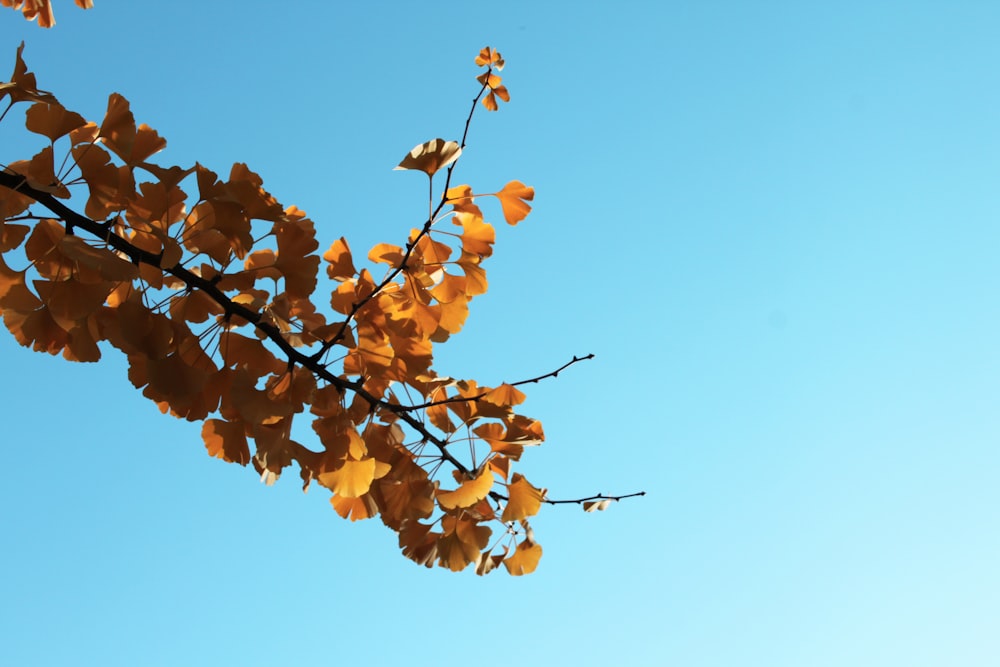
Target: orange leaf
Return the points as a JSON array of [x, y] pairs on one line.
[[505, 396], [21, 86], [477, 236], [524, 559], [386, 253], [513, 198], [488, 56], [461, 542], [462, 199], [524, 499], [52, 120], [431, 156], [119, 133], [468, 493], [362, 507], [226, 440], [339, 257], [12, 235], [350, 480]]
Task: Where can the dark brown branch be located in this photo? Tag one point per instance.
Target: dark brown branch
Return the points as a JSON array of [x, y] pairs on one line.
[[72, 219], [576, 501], [467, 399]]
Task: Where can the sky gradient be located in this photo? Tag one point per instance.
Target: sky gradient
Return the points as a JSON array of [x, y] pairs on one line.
[[775, 226]]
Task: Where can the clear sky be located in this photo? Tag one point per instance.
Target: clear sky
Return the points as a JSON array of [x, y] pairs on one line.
[[774, 224]]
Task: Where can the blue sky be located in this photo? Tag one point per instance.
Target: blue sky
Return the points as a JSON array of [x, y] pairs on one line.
[[774, 224]]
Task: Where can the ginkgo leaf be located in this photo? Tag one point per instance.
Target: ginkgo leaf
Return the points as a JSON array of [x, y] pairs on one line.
[[418, 542], [350, 480], [513, 199], [386, 253], [52, 120], [523, 500], [462, 200], [341, 266], [489, 561], [22, 86], [505, 396], [491, 57], [525, 558], [461, 542], [596, 505], [477, 236], [226, 440], [119, 133], [362, 507], [431, 156], [12, 235], [469, 492]]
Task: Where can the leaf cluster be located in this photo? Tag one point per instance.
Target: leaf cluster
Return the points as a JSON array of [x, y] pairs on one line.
[[208, 285]]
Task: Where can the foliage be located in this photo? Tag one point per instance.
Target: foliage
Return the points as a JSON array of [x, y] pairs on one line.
[[206, 284]]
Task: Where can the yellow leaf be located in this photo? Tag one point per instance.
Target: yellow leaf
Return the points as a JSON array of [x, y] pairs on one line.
[[461, 542], [524, 559], [513, 199], [362, 507], [339, 257], [468, 493], [524, 500], [505, 396], [386, 253], [431, 156], [351, 480], [490, 57]]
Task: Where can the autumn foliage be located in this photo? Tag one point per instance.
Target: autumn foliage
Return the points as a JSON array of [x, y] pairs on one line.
[[206, 283]]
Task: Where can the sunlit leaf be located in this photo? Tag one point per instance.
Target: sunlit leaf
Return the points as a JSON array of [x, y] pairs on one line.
[[524, 500], [596, 505], [513, 198], [431, 156], [340, 265], [525, 558], [469, 492]]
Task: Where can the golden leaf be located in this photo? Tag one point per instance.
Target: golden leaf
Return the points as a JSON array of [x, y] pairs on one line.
[[341, 266], [418, 542], [468, 493], [461, 199], [461, 542], [352, 479], [513, 199], [431, 156], [490, 57], [386, 253], [505, 396], [524, 500], [477, 236], [525, 558], [362, 507]]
